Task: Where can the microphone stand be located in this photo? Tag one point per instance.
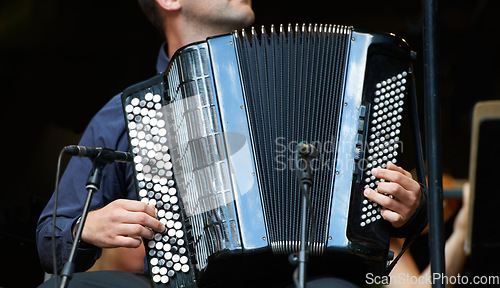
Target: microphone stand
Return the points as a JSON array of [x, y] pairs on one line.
[[305, 179], [433, 141], [93, 184], [303, 252]]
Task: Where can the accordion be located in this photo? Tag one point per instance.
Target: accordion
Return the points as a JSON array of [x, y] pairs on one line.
[[214, 139]]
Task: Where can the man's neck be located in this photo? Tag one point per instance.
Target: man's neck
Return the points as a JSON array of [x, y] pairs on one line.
[[190, 33]]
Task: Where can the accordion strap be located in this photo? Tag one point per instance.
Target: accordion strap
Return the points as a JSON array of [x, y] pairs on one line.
[[406, 245]]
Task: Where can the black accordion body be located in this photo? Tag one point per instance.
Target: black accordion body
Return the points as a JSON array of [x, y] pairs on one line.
[[214, 137]]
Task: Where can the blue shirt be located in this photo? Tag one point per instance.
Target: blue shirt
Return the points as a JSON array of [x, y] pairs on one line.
[[106, 129]]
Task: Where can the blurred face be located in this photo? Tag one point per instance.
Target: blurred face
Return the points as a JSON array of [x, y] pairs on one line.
[[224, 15]]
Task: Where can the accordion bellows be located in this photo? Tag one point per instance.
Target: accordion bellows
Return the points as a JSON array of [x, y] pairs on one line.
[[214, 137]]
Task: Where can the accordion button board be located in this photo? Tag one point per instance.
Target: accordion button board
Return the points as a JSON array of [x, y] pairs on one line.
[[167, 252]]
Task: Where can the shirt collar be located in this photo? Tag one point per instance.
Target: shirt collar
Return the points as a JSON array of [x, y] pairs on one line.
[[163, 60]]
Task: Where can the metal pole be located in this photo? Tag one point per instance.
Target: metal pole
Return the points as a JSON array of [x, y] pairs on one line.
[[433, 142], [302, 256], [69, 267]]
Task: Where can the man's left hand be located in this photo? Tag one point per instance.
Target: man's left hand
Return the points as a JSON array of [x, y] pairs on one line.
[[405, 191]]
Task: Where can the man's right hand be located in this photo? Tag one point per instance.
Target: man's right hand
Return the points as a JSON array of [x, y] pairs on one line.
[[121, 223]]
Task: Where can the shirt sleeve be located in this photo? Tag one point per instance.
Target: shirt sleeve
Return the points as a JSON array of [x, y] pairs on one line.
[[106, 129]]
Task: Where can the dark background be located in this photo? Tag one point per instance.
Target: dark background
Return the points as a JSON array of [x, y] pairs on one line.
[[60, 61]]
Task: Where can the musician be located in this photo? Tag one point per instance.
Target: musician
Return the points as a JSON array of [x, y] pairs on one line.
[[116, 218]]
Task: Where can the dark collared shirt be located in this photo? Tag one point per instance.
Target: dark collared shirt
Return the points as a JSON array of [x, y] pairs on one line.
[[106, 129]]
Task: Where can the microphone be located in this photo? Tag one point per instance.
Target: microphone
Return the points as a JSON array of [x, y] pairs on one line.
[[102, 154], [307, 150], [101, 157]]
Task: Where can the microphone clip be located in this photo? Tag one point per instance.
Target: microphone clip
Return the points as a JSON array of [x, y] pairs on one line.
[[100, 157], [305, 152]]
